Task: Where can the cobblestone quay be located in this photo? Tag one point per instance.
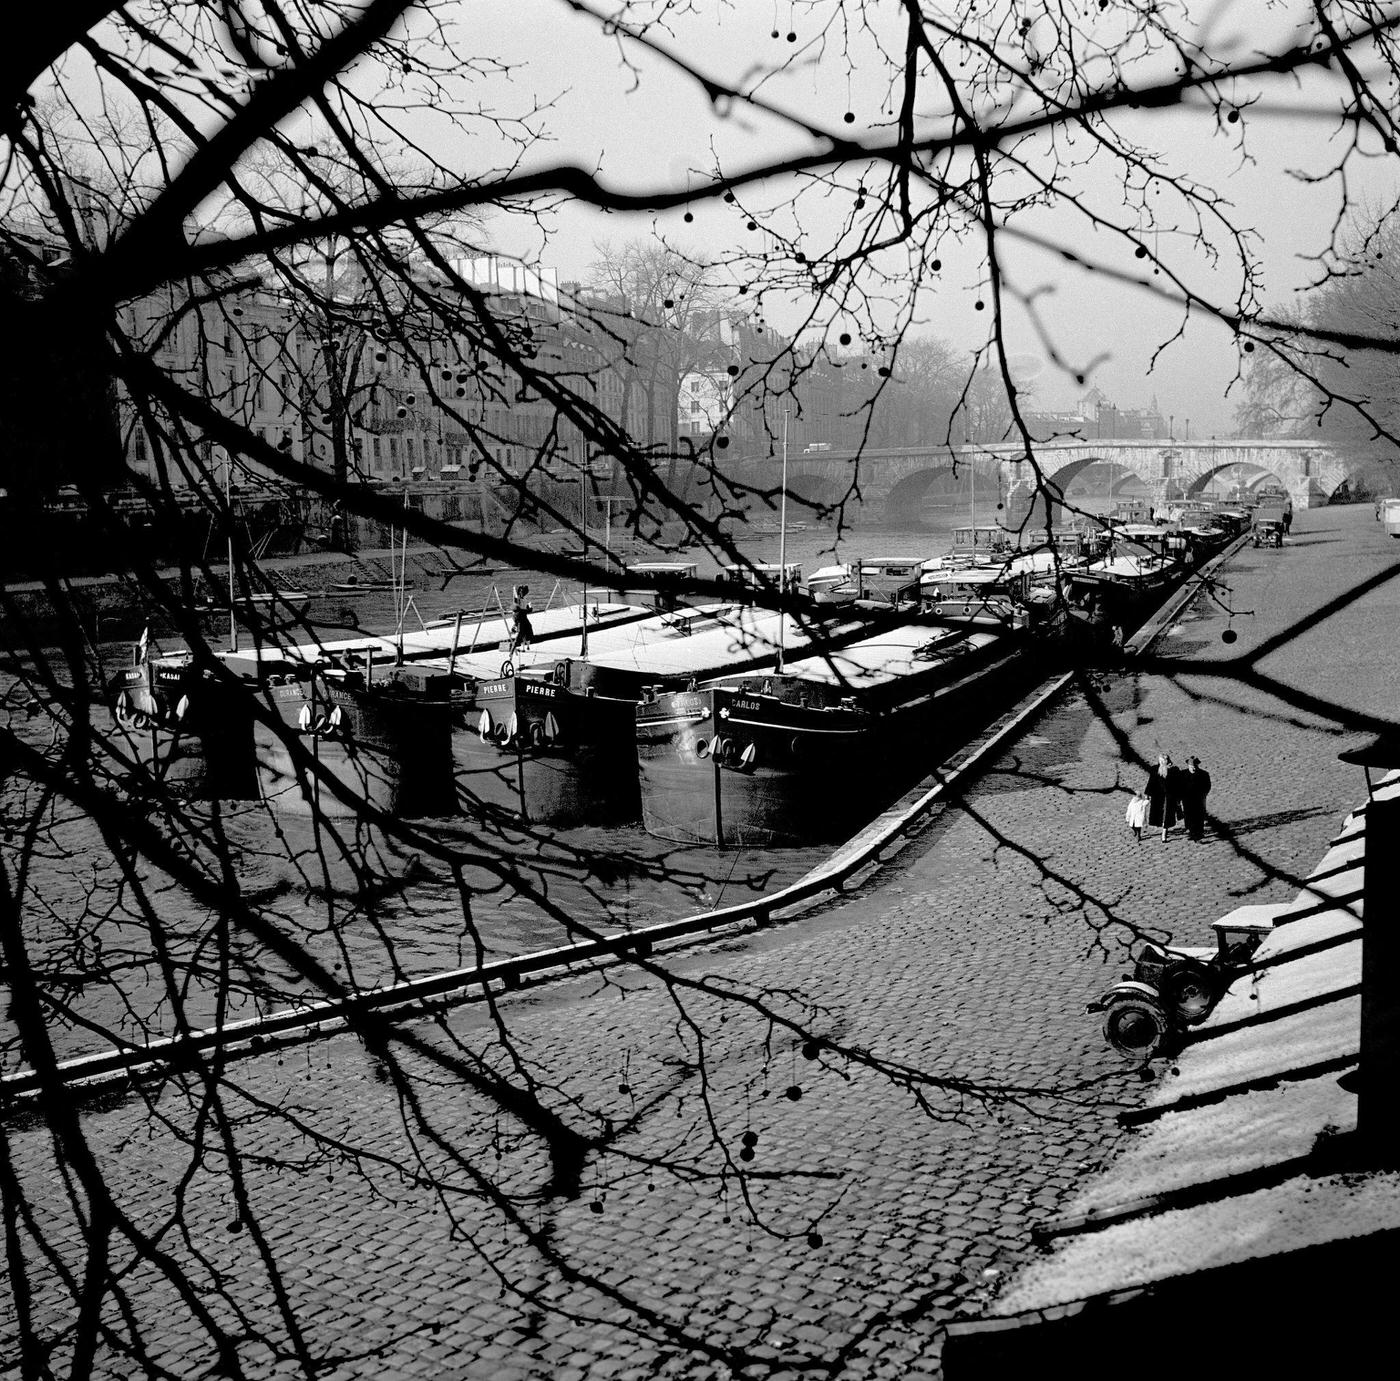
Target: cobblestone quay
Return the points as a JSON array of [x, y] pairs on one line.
[[418, 1233]]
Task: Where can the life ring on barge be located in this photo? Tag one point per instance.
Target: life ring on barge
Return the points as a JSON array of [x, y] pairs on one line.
[[328, 725], [138, 717]]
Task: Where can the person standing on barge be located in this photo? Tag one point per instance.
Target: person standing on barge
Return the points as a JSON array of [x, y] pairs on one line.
[[524, 631]]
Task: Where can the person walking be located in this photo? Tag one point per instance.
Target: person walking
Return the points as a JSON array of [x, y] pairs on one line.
[[1161, 795], [1194, 787], [1171, 805], [1137, 813]]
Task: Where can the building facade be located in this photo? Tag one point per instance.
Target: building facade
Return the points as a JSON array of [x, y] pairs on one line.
[[339, 383]]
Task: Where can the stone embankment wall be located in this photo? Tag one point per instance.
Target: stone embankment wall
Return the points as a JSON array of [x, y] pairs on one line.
[[120, 606]]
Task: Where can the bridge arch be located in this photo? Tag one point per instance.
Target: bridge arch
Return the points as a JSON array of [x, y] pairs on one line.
[[1090, 484], [821, 492], [952, 488], [1246, 476], [1367, 478], [1115, 475]]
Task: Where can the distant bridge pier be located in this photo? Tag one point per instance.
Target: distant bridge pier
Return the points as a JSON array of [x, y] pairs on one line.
[[1025, 509]]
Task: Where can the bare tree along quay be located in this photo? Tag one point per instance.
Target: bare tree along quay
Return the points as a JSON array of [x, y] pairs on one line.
[[615, 318]]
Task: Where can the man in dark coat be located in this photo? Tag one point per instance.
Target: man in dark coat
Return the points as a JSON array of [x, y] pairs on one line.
[[1193, 786]]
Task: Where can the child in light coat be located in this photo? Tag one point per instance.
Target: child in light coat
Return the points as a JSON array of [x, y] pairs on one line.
[[1137, 813]]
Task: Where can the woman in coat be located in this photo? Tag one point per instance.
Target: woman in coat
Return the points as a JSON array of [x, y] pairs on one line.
[[1162, 795]]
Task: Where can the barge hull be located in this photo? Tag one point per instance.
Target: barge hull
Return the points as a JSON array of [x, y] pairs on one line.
[[787, 774], [530, 748], [184, 731], [386, 753]]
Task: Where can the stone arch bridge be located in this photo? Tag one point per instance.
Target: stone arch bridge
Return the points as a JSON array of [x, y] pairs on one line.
[[895, 480]]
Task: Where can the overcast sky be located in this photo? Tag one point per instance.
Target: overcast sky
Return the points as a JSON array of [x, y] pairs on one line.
[[603, 103], [644, 126]]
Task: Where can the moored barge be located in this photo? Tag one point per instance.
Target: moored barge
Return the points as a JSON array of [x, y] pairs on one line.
[[181, 727], [340, 747], [553, 742], [436, 639], [808, 755], [873, 581]]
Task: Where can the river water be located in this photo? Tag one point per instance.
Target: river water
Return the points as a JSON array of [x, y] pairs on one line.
[[129, 947]]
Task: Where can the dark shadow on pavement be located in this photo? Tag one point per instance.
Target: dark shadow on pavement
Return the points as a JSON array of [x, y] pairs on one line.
[[1253, 824]]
